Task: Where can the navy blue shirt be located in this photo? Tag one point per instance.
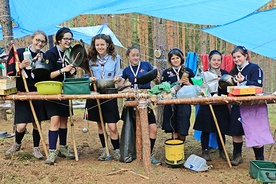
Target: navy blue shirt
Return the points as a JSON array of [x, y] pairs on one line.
[[144, 68], [253, 74], [170, 76]]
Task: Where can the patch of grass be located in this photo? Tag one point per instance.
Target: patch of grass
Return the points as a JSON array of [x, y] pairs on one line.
[[25, 156]]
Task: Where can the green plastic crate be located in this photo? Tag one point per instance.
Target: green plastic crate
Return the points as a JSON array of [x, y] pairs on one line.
[[264, 171]]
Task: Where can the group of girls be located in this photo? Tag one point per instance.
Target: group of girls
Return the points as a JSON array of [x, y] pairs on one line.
[[105, 64]]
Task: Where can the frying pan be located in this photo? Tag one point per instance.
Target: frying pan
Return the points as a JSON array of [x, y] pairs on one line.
[[78, 48], [226, 80], [144, 79]]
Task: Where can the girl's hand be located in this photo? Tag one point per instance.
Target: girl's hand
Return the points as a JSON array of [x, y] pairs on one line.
[[116, 79], [185, 81], [93, 79], [238, 78], [24, 64]]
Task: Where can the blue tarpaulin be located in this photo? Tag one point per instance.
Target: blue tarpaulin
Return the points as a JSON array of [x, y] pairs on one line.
[[256, 32]]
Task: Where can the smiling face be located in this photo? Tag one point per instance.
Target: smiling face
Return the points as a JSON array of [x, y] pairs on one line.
[[175, 61], [101, 47], [38, 42], [239, 58], [215, 61], [134, 57], [66, 41]]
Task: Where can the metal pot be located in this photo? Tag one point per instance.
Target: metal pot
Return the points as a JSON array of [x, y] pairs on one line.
[[226, 80], [41, 69], [102, 84]]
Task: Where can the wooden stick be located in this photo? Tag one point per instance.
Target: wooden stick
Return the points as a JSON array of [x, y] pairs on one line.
[[271, 149], [126, 170], [32, 109], [73, 132], [220, 137]]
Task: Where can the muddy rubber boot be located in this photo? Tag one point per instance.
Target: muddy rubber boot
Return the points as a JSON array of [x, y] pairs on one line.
[[237, 159], [206, 155]]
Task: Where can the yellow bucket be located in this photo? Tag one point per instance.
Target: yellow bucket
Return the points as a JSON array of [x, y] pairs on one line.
[[174, 152]]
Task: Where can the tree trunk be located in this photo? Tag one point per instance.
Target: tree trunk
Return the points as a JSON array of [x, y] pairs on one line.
[[6, 23]]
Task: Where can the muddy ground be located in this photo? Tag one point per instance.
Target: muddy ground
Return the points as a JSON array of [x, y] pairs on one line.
[[22, 167]]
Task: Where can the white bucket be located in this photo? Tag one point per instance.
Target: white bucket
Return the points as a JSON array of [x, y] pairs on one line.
[[196, 163]]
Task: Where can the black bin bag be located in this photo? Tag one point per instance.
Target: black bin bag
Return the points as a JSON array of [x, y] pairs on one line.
[[128, 136]]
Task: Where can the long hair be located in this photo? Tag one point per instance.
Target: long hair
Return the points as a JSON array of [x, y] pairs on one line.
[[92, 52]]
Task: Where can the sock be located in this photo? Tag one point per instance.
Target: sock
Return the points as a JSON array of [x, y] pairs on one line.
[[19, 137], [259, 153], [101, 136], [62, 132], [36, 138], [237, 147], [152, 143], [115, 144], [53, 136], [220, 148], [204, 140]]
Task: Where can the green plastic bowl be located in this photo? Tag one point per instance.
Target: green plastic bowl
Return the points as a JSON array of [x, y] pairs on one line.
[[49, 87]]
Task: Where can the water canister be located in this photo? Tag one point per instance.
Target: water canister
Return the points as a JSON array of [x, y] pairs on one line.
[[196, 163], [28, 56]]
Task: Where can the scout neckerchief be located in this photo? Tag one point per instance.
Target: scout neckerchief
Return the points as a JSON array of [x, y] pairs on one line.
[[215, 71], [177, 72], [240, 68], [102, 62], [135, 74], [62, 58]]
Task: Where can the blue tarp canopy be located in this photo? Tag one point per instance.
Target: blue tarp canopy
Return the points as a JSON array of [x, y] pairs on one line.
[[37, 14], [84, 33], [256, 32], [45, 15]]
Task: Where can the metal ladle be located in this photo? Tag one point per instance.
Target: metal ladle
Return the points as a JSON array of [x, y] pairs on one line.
[[85, 129]]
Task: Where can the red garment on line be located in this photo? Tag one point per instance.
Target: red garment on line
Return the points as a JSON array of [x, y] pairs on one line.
[[227, 62]]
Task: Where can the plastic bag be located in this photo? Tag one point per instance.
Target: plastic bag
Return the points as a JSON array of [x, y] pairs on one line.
[[128, 136], [187, 92]]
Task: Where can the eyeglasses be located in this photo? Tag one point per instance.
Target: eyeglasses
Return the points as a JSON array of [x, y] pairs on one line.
[[68, 39], [40, 41]]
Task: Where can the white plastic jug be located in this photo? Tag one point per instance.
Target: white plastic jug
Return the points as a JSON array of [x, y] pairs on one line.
[[196, 163]]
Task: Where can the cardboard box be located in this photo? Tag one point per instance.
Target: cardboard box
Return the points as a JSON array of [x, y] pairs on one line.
[[244, 90], [7, 82], [8, 91]]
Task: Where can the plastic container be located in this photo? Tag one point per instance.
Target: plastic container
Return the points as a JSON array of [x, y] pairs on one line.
[[196, 163], [265, 171], [174, 152], [28, 56], [49, 87]]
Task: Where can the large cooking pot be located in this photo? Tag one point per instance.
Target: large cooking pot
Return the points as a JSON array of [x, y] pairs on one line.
[[41, 69], [102, 84], [226, 80]]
